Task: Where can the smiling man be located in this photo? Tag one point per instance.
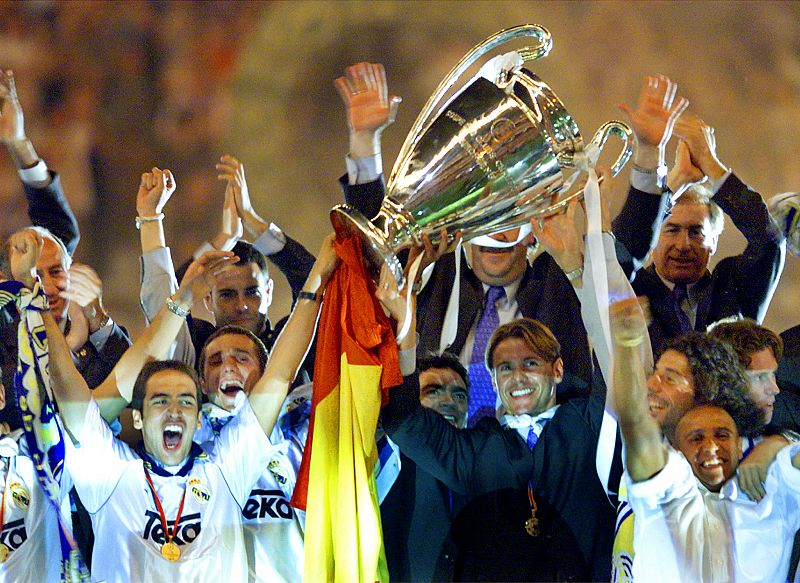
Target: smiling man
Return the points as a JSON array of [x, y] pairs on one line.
[[683, 292], [703, 529], [531, 474]]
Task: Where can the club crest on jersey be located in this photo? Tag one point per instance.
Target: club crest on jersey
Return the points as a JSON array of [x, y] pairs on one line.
[[189, 528], [278, 472], [20, 495], [200, 492]]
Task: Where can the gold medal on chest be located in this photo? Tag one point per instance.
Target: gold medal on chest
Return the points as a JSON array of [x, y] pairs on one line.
[[4, 552], [170, 551]]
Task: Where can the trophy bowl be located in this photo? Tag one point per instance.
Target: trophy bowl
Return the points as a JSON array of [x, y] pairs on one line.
[[501, 150]]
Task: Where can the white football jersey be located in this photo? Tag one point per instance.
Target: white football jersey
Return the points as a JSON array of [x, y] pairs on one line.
[[110, 480], [273, 530], [30, 526]]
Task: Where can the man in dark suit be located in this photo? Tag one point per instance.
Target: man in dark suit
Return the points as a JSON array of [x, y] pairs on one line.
[[100, 342], [683, 294], [417, 511]]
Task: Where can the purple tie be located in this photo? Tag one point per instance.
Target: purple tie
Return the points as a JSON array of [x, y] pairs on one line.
[[482, 397], [678, 295]]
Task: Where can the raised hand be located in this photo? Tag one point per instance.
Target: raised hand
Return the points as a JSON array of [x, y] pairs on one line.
[[200, 274], [155, 189], [232, 172], [324, 266], [12, 121], [369, 107], [656, 110], [25, 247], [629, 319], [86, 290], [558, 235], [683, 173], [702, 144], [430, 253]]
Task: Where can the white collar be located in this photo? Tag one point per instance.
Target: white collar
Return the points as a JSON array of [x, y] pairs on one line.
[[525, 421]]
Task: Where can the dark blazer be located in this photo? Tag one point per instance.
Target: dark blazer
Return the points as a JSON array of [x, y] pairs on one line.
[[295, 263], [789, 367], [738, 286], [495, 465], [544, 294], [416, 517], [47, 207]]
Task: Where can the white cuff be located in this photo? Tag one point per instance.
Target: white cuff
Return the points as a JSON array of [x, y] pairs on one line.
[[35, 175], [645, 181], [270, 241], [408, 361], [99, 337], [363, 170], [715, 185]]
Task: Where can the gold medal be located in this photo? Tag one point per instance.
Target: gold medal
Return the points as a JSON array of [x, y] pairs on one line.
[[532, 526], [170, 551], [3, 553]]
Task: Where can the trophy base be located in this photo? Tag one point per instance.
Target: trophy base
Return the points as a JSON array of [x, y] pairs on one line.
[[348, 221]]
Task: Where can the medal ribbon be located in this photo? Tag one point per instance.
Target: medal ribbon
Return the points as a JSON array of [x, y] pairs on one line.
[[160, 508]]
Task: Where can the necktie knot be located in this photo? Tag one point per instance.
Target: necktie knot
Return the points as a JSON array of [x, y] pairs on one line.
[[494, 293]]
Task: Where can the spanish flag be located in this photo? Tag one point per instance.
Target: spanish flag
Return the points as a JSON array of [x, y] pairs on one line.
[[356, 363]]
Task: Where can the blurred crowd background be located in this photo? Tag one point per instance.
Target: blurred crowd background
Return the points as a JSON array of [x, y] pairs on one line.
[[111, 89]]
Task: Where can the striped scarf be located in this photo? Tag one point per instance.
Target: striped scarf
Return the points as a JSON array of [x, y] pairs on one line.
[[41, 429]]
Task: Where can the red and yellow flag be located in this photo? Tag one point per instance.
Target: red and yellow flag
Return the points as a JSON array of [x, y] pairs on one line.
[[356, 363]]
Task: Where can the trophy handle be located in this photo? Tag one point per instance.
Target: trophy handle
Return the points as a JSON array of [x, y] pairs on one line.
[[528, 53], [622, 131]]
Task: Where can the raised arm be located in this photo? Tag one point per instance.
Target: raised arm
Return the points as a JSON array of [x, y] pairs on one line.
[[754, 274], [268, 394], [292, 259], [645, 454], [47, 206], [370, 110], [658, 107]]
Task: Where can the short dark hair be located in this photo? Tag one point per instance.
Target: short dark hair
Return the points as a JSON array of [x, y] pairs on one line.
[[261, 350], [715, 368], [443, 360], [536, 335], [248, 254], [747, 337], [156, 366]]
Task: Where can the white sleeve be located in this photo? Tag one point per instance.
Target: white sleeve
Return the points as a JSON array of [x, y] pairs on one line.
[[158, 282], [242, 451], [784, 479], [96, 463], [673, 482]]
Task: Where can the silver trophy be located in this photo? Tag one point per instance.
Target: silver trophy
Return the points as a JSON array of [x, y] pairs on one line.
[[490, 158]]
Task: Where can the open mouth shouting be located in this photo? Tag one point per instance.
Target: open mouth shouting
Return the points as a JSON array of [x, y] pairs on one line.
[[172, 437], [229, 387]]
